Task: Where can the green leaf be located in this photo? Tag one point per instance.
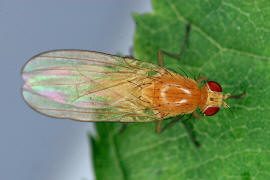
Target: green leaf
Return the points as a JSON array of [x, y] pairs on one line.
[[229, 43]]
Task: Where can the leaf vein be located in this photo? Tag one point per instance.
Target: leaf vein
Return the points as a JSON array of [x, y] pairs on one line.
[[210, 39]]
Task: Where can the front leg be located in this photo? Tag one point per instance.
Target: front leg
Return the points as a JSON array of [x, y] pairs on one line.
[[176, 56]]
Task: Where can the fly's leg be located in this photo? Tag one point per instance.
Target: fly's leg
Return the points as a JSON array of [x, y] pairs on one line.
[[196, 115], [189, 130], [161, 64], [170, 124], [123, 127], [191, 134], [176, 56], [158, 126], [131, 52], [201, 78]]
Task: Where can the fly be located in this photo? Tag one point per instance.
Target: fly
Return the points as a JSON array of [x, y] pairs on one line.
[[92, 86]]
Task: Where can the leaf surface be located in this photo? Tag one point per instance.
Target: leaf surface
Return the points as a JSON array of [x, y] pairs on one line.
[[229, 43]]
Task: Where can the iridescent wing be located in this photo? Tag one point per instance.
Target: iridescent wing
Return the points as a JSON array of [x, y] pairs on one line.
[[87, 86]]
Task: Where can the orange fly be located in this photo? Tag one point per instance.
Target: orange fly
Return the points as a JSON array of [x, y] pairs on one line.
[[92, 86]]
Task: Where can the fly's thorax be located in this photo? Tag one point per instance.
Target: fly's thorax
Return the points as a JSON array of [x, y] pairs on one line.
[[211, 98], [172, 95]]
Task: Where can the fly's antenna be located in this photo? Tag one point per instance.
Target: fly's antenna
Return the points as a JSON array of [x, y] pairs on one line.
[[228, 96], [238, 96]]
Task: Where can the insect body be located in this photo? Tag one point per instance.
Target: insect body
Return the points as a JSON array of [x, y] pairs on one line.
[[92, 86], [172, 94]]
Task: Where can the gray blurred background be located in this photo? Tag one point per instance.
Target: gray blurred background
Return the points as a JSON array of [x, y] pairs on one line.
[[33, 146]]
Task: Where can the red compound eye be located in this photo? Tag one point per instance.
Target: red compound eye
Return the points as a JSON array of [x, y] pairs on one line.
[[210, 111], [214, 86]]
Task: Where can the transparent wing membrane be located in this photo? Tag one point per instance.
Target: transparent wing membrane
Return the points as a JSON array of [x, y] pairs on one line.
[[88, 86]]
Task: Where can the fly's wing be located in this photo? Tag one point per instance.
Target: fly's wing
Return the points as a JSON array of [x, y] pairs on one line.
[[87, 86]]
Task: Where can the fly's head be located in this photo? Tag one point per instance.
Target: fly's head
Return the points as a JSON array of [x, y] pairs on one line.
[[212, 98]]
